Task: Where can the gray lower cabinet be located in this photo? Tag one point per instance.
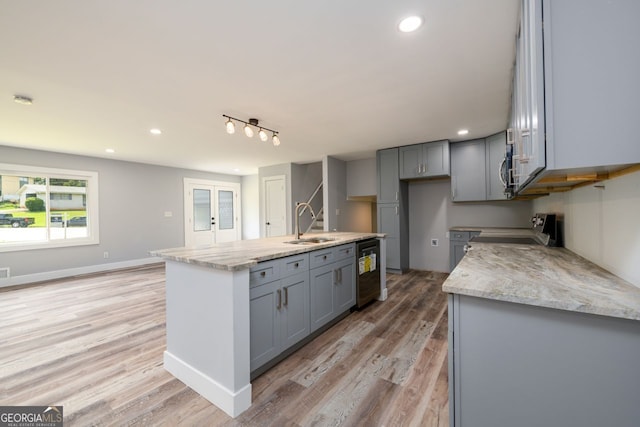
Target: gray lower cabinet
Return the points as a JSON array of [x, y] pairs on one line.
[[333, 286], [457, 241], [293, 296], [279, 307], [527, 366]]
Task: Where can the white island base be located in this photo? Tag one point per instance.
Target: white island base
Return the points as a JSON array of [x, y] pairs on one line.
[[208, 333]]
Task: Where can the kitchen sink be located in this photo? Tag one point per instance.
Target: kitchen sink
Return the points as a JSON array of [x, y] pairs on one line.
[[505, 239], [310, 241]]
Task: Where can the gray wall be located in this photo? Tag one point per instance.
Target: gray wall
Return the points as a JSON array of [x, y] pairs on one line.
[[250, 207], [304, 181], [431, 214], [334, 174], [133, 198], [601, 224]]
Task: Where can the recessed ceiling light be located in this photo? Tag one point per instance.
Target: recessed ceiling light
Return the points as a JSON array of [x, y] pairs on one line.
[[155, 131], [410, 23], [110, 150], [463, 131]]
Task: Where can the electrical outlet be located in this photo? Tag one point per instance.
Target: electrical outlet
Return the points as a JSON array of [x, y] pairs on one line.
[[168, 214], [434, 242], [105, 255]]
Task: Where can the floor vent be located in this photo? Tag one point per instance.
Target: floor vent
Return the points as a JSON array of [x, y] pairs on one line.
[[4, 273]]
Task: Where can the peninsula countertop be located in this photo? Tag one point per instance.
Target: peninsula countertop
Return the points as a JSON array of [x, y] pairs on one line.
[[244, 254], [542, 276]]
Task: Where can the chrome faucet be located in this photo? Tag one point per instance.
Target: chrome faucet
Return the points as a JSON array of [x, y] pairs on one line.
[[297, 216]]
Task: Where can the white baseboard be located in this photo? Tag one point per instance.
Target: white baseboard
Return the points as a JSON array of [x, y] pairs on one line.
[[68, 272], [232, 403]]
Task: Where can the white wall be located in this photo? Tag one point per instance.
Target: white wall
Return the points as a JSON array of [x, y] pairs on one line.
[[431, 214], [133, 200], [250, 207], [602, 224]]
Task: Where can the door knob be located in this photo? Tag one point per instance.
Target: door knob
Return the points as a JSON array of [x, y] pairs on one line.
[[268, 223]]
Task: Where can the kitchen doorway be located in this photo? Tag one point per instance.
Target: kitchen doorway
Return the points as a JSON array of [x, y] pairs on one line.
[[211, 212]]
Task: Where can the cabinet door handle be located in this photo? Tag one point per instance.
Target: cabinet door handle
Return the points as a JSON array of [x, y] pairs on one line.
[[340, 275], [396, 210], [286, 297], [263, 273], [296, 265], [279, 305], [335, 277], [396, 196]]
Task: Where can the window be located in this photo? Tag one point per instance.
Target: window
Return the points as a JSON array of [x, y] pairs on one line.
[[46, 208]]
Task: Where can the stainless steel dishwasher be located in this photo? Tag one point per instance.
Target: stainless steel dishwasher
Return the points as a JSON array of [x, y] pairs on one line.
[[368, 277]]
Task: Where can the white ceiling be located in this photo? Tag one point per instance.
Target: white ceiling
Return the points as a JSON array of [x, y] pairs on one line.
[[335, 77]]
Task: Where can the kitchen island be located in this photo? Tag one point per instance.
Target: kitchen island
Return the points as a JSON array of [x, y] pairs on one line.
[[208, 308], [541, 336]]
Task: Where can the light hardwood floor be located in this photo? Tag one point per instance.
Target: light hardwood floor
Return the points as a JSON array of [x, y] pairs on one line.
[[94, 345]]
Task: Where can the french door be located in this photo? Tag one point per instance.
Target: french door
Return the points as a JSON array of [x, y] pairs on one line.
[[212, 212]]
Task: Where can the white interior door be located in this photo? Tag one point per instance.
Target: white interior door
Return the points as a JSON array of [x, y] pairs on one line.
[[211, 212], [275, 206]]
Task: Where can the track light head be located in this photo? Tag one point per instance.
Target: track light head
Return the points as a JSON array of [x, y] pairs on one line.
[[248, 131], [275, 139], [231, 127], [263, 135]]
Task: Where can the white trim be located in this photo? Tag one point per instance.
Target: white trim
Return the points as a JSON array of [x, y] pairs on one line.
[[232, 403], [69, 272], [263, 220], [92, 192], [187, 201]]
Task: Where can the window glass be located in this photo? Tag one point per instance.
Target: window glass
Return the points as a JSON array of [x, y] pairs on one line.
[[41, 207], [201, 210], [225, 209]]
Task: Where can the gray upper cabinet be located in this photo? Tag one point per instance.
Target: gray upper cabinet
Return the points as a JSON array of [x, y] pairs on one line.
[[426, 160], [572, 107], [475, 167], [468, 171], [388, 179], [494, 160]]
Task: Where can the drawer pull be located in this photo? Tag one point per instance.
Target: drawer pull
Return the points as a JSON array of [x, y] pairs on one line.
[[324, 257], [263, 273], [296, 265]]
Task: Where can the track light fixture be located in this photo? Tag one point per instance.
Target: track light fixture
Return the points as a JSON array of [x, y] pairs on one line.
[[248, 129]]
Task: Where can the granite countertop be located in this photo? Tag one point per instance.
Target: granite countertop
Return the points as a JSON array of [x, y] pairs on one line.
[[542, 276], [243, 254]]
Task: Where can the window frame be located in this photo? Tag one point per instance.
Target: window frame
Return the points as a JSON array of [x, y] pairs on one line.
[[92, 192]]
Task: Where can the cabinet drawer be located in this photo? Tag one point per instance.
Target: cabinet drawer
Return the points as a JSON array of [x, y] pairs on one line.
[[344, 251], [462, 236], [264, 272], [321, 257], [294, 265]]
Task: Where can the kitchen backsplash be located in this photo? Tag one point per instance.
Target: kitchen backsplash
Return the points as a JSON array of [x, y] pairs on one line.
[[602, 223]]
